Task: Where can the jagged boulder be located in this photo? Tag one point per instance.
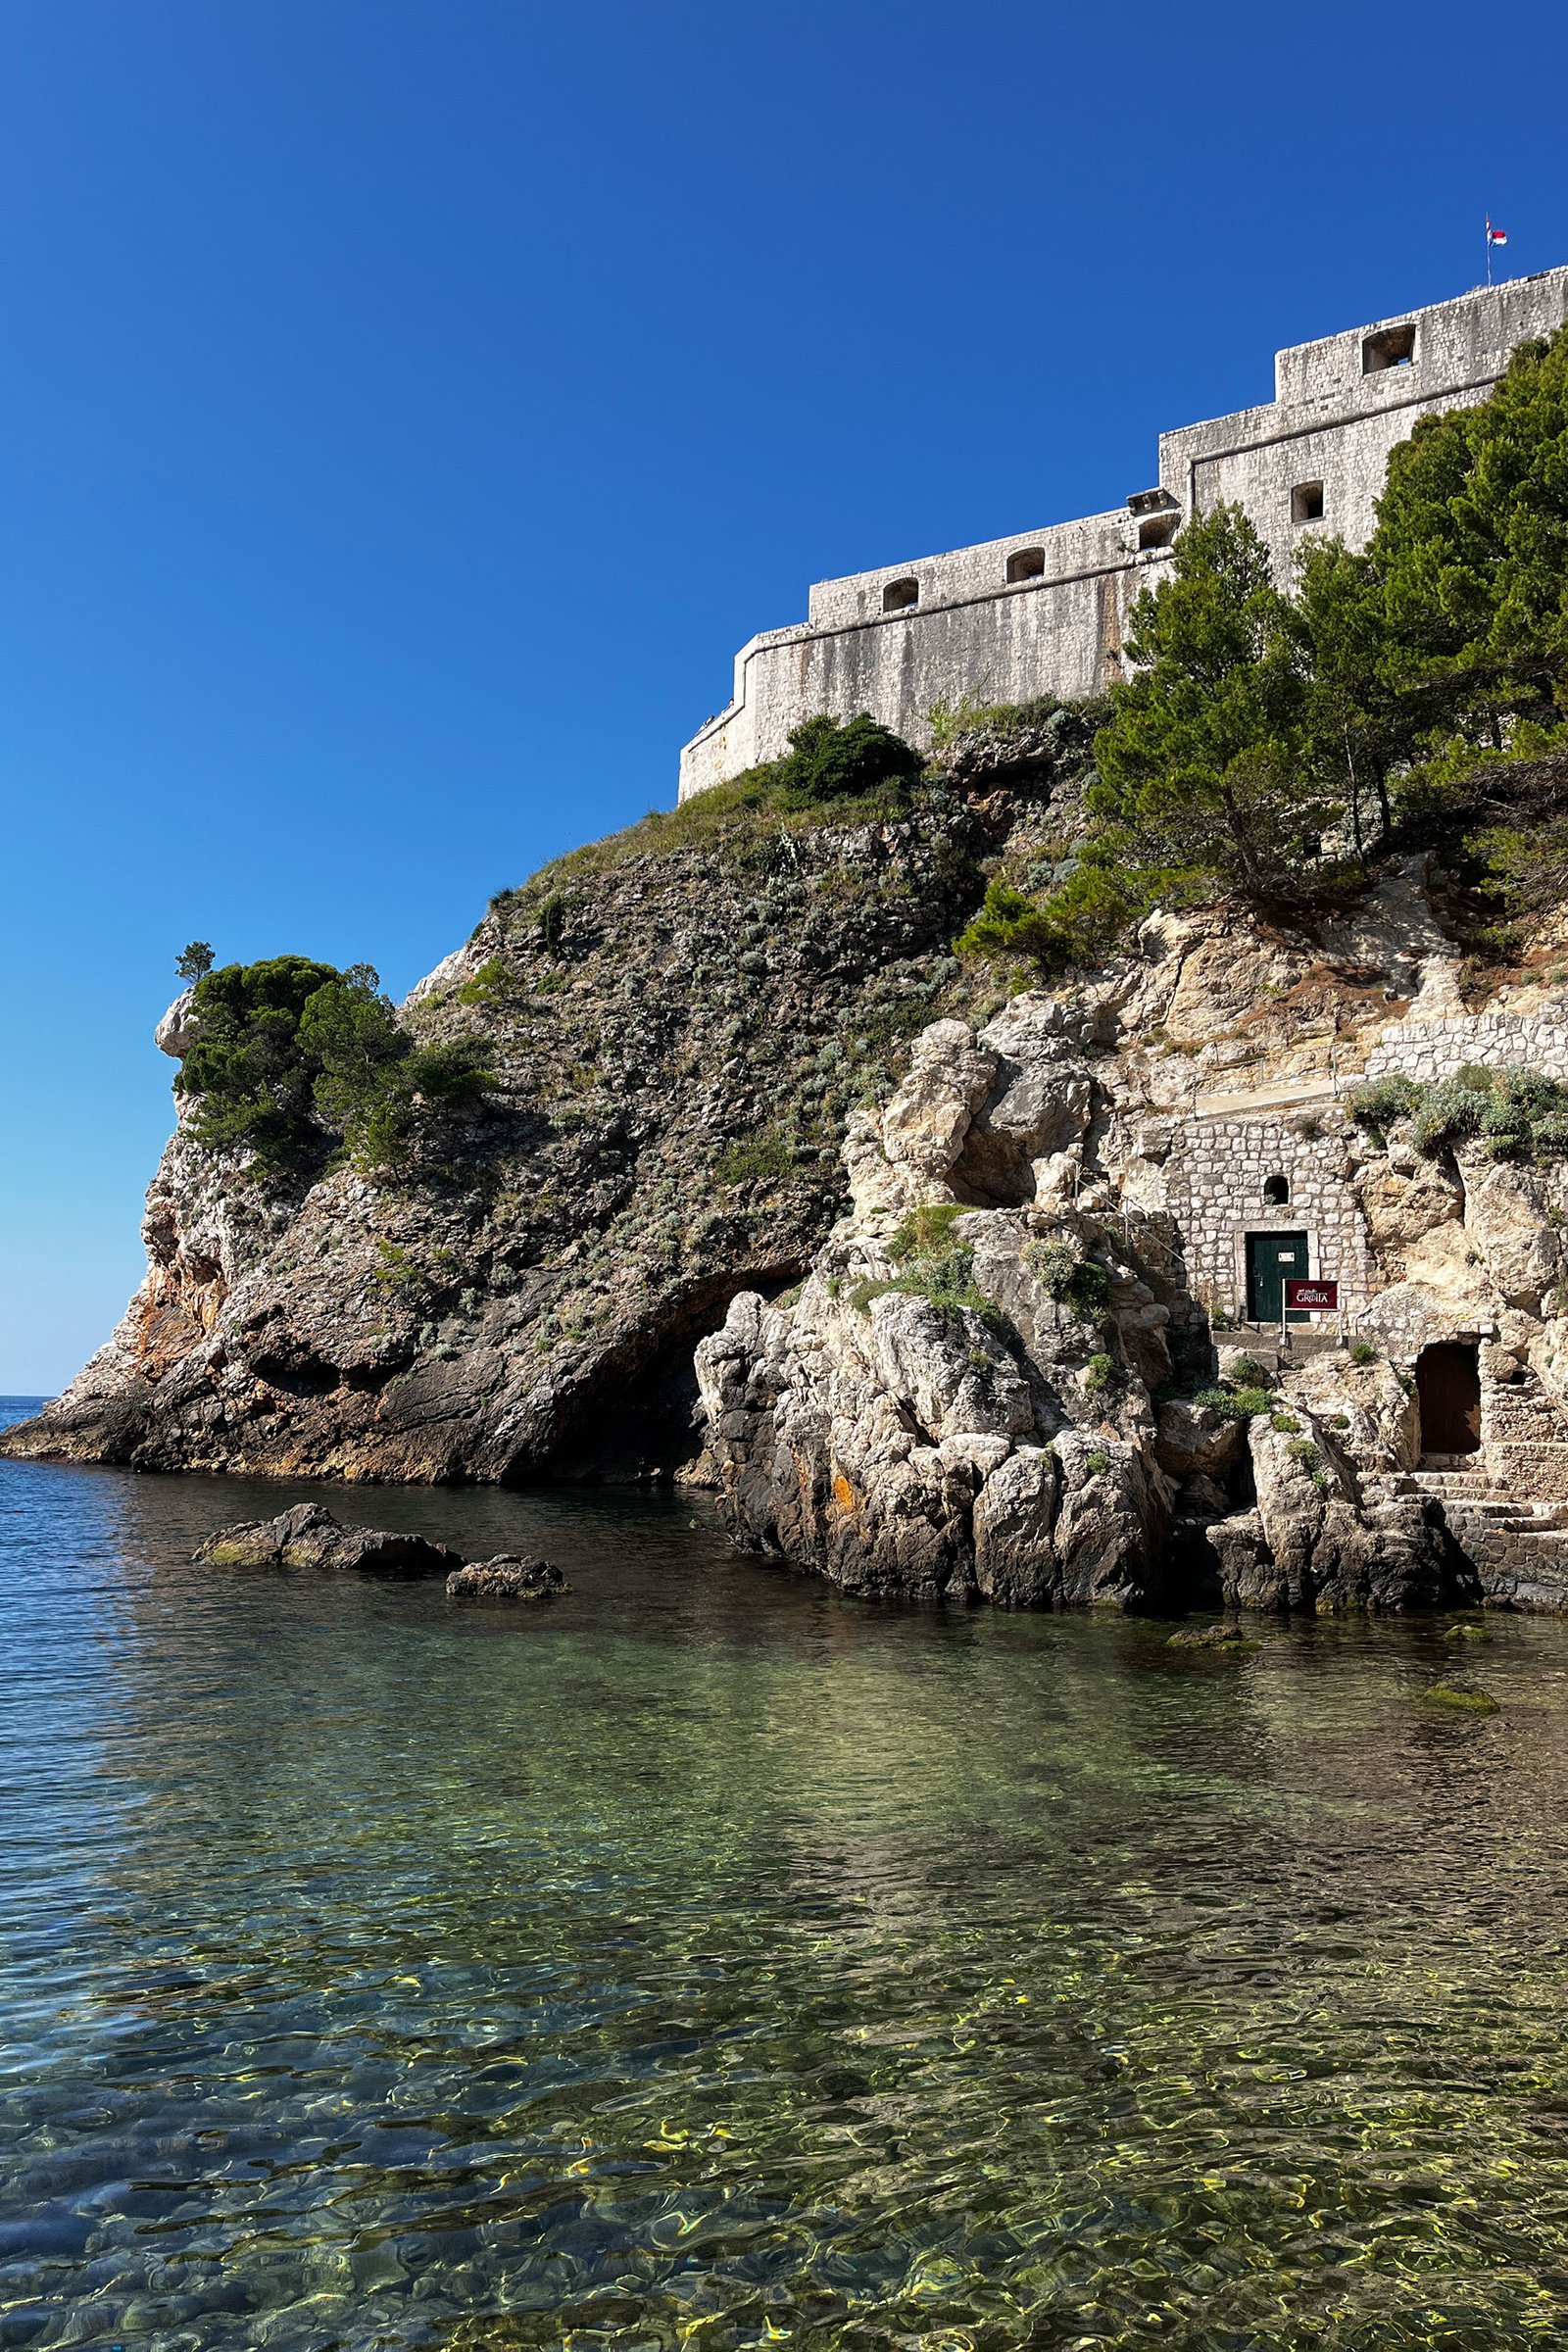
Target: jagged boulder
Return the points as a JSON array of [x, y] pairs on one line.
[[507, 1578], [310, 1537], [988, 1444], [1193, 1441], [1316, 1540]]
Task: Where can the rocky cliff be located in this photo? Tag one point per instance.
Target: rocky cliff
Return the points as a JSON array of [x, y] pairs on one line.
[[679, 1034], [904, 1255]]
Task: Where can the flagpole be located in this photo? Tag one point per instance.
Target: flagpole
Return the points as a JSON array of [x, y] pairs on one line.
[[1489, 249]]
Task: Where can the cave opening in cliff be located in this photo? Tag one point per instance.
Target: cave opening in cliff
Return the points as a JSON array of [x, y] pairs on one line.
[[636, 1418]]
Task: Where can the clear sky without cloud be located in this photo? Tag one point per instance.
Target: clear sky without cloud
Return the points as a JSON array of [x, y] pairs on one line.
[[408, 406]]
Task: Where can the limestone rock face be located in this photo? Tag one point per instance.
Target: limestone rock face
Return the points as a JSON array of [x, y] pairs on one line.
[[938, 1417], [175, 1033], [310, 1537], [1507, 1224], [1196, 1442]]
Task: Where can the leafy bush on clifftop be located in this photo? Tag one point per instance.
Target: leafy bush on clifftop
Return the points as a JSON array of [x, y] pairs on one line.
[[293, 1055], [836, 772]]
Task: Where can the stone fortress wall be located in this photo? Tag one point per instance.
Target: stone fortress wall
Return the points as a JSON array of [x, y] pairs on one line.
[[1044, 612]]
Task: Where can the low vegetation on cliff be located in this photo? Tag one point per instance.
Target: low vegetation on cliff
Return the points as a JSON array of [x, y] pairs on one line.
[[293, 1058]]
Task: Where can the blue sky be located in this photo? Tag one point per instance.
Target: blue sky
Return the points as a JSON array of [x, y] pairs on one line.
[[407, 407]]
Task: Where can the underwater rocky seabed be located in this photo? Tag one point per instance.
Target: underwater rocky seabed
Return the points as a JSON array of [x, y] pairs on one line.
[[715, 1960]]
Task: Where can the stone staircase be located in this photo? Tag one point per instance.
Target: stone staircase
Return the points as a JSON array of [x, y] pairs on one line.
[[1519, 1546]]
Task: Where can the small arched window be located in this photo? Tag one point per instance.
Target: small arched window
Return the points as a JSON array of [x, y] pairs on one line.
[[1277, 1191], [898, 595], [1027, 564]]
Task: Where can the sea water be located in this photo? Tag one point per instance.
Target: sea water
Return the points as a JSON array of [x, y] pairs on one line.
[[707, 1960]]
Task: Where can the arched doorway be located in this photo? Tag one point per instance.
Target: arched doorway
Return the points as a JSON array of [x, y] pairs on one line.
[[1447, 1386]]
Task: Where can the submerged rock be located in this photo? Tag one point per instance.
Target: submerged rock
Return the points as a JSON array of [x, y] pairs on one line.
[[310, 1537], [1209, 1637], [507, 1578]]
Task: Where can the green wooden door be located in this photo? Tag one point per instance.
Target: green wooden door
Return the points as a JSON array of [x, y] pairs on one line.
[[1271, 1258]]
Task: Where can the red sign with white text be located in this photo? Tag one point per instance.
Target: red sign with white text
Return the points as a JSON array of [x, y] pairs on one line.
[[1310, 1297]]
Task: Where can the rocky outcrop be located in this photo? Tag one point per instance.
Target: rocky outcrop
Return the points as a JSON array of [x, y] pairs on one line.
[[960, 1402], [922, 1286], [507, 1578], [957, 1401], [680, 1033], [310, 1537]]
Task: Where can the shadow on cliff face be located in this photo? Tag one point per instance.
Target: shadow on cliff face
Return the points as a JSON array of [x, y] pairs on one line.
[[636, 1416]]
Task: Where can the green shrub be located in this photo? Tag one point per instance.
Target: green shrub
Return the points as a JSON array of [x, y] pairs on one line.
[[1286, 1424], [1447, 1113], [1247, 1372], [1099, 1373], [550, 926], [1236, 1404], [1362, 1353], [1076, 1283], [945, 1279], [1097, 1463], [492, 984], [767, 1159], [1376, 1106], [833, 760], [1516, 1114], [1079, 923], [292, 1055], [925, 1229]]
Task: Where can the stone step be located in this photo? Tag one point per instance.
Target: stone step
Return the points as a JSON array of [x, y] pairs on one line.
[[1470, 1464]]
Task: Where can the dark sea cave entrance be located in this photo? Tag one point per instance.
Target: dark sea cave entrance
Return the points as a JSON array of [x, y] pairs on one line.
[[634, 1418]]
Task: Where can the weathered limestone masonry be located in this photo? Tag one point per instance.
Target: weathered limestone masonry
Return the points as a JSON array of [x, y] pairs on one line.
[[1229, 1180], [1494, 1041], [1044, 612]]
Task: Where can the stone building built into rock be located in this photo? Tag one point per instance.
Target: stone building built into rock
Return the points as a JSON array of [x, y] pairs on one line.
[[1043, 610]]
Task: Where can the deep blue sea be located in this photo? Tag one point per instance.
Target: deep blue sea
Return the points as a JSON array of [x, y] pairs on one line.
[[707, 1961]]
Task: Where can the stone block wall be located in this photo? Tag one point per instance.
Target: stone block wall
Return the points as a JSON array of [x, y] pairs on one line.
[[1436, 1050], [1214, 1179]]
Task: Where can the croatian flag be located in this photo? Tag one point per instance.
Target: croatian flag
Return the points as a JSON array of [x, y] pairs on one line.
[[1497, 236]]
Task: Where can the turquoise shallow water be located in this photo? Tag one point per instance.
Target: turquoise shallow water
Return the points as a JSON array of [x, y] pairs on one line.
[[709, 1961]]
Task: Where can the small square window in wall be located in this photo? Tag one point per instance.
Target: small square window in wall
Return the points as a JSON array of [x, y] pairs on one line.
[[898, 595], [1389, 347], [1306, 503]]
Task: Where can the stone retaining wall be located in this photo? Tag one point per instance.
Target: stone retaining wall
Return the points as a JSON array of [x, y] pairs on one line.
[[1431, 1050]]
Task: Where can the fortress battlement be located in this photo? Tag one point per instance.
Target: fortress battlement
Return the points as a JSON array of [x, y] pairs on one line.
[[1045, 611]]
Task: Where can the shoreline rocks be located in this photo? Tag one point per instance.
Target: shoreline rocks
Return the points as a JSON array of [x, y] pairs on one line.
[[309, 1537], [507, 1578]]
